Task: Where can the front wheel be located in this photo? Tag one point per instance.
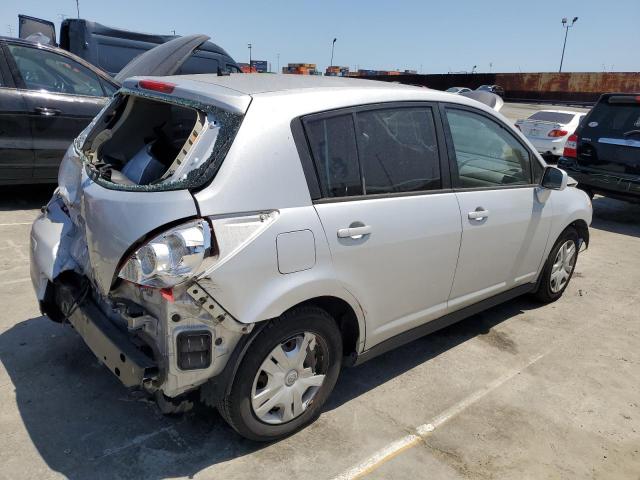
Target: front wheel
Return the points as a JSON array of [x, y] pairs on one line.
[[559, 267], [286, 376]]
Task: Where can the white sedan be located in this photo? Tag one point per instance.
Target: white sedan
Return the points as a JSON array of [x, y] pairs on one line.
[[548, 130], [458, 90]]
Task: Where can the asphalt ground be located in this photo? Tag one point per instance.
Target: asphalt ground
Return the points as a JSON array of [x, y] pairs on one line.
[[519, 391]]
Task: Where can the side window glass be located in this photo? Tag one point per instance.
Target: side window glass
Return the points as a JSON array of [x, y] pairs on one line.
[[398, 150], [333, 145], [43, 70], [487, 155], [198, 64], [108, 88]]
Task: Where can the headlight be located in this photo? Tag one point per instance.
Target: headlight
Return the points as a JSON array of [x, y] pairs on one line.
[[170, 258]]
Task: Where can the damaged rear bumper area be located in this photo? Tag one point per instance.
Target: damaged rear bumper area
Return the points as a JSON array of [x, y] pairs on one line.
[[113, 347], [167, 342]]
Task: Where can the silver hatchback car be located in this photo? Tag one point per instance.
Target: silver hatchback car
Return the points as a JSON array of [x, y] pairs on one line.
[[244, 237]]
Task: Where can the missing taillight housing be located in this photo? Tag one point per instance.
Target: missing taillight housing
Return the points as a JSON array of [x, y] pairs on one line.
[[571, 147]]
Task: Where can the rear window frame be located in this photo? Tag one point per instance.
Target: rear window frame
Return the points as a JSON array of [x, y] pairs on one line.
[[209, 168], [603, 101], [303, 146]]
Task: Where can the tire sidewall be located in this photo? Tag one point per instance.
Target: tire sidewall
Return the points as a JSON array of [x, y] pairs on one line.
[[283, 328]]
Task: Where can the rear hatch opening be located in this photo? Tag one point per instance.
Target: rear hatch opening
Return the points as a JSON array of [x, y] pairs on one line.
[[154, 144]]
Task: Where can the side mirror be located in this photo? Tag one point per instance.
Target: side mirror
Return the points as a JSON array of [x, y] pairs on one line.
[[554, 179]]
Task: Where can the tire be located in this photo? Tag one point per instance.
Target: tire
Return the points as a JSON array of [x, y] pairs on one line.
[[245, 407], [550, 289]]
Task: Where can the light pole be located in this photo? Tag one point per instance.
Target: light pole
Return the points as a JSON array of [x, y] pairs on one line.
[[249, 45], [78, 7], [566, 26], [278, 57], [333, 45]]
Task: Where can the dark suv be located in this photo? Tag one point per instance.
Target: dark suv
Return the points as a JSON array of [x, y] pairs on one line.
[[604, 153]]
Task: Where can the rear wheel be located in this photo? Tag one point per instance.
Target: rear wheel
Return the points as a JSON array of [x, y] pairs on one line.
[[286, 376], [559, 267]]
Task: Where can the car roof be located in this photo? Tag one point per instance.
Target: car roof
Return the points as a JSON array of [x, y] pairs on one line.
[[257, 83], [301, 93]]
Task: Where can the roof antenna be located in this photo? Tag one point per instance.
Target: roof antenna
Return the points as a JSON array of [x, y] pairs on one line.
[[222, 73]]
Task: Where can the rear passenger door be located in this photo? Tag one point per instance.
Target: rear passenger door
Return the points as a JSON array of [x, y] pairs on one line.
[[61, 96], [391, 220], [16, 145], [505, 227]]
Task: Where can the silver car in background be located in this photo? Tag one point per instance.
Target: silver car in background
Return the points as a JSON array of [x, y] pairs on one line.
[[241, 238]]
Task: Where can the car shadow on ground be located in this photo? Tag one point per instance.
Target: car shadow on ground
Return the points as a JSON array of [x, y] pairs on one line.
[[84, 424], [616, 216], [24, 197]]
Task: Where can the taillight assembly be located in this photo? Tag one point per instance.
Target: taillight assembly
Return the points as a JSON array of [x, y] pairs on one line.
[[571, 147], [557, 133], [170, 258]]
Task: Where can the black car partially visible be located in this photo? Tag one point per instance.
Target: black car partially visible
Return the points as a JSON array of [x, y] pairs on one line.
[[47, 96], [604, 153]]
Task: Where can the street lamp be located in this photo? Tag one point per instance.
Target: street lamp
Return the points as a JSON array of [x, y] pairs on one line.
[[566, 26], [333, 45], [249, 45]]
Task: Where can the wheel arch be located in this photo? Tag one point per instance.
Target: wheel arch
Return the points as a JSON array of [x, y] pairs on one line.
[[346, 318], [582, 228]]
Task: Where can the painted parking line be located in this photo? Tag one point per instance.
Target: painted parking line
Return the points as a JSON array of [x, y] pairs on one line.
[[15, 224], [423, 431], [11, 282]]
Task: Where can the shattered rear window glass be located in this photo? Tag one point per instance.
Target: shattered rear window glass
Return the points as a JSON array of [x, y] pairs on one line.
[[153, 142]]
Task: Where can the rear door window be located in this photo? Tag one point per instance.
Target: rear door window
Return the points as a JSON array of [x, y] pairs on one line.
[[398, 150], [333, 145], [200, 62], [44, 70]]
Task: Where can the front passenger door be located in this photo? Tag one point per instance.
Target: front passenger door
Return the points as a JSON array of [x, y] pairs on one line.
[[504, 226]]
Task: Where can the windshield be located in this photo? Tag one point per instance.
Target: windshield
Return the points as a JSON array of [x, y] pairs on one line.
[[452, 89], [484, 87], [150, 143], [557, 117]]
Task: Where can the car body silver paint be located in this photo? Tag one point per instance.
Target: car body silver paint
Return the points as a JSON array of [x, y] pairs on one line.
[[262, 172], [116, 220]]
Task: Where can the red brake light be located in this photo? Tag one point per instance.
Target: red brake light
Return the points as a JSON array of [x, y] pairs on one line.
[[571, 147], [557, 133], [157, 86]]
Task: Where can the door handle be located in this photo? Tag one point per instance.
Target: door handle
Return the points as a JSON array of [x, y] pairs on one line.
[[354, 232], [479, 214], [47, 112]]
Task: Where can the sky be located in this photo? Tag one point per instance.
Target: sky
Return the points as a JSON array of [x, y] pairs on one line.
[[423, 35]]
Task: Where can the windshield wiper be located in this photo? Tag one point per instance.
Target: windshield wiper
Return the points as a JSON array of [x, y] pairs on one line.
[[631, 132]]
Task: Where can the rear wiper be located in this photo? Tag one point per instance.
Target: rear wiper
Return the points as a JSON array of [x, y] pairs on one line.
[[631, 132]]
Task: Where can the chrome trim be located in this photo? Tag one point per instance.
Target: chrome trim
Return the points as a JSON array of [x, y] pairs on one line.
[[620, 141]]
